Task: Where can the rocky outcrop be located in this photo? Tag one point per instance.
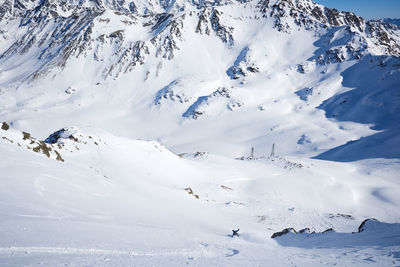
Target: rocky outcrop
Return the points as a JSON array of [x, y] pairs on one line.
[[210, 21], [283, 232], [311, 16], [168, 32], [243, 66], [171, 92], [25, 140], [222, 96], [368, 224]]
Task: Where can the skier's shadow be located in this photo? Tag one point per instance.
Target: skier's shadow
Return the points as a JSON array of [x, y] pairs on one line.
[[233, 252]]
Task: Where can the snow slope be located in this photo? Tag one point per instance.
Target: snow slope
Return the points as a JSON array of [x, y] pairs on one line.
[[168, 114], [118, 201], [167, 69]]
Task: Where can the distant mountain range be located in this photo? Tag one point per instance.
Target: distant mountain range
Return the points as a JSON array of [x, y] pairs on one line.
[[393, 21]]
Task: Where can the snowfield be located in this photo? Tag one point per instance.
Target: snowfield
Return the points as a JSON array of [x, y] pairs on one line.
[[142, 133], [117, 201]]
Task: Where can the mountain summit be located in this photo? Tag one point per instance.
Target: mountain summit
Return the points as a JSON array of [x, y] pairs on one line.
[[50, 33]]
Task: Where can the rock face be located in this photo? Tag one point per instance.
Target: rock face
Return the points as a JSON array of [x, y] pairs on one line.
[[25, 140], [171, 92], [243, 66], [57, 31], [312, 16], [284, 232], [56, 146], [222, 96], [368, 224], [58, 136]]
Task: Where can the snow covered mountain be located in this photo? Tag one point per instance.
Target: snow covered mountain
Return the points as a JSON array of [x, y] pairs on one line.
[[126, 34], [240, 101], [393, 21], [192, 60]]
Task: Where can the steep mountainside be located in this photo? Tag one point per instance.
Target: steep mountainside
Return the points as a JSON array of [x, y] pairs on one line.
[[193, 60], [53, 32]]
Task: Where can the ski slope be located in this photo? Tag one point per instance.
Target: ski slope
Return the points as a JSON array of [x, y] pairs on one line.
[[144, 134], [117, 201]]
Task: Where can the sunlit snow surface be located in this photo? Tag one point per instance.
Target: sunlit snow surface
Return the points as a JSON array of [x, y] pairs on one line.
[[117, 201], [155, 166]]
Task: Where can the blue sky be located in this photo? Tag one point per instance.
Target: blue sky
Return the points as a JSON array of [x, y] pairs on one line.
[[369, 9]]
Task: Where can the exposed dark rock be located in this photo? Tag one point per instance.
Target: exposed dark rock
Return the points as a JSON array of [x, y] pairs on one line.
[[284, 232], [301, 69], [70, 90], [54, 137], [202, 25], [200, 154], [305, 231], [59, 158], [118, 34], [190, 192], [5, 126], [223, 32], [328, 230], [73, 138], [363, 225], [171, 92], [26, 135], [340, 215], [42, 147], [197, 108], [226, 187], [5, 138]]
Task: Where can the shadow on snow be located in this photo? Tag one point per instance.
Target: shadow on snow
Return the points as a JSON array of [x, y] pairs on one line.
[[376, 234], [374, 100]]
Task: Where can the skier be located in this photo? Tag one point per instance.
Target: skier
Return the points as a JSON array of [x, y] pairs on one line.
[[235, 232]]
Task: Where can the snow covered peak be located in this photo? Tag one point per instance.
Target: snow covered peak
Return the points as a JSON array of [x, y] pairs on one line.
[[392, 21], [187, 63], [121, 36]]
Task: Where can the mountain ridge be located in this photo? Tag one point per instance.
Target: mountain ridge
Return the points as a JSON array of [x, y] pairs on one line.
[[73, 35], [193, 62]]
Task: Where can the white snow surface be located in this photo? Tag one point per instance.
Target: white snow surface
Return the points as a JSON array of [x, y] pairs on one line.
[[118, 201], [153, 165]]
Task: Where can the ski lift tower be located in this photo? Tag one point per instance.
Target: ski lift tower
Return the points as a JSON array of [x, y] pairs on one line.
[[272, 155]]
